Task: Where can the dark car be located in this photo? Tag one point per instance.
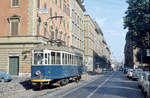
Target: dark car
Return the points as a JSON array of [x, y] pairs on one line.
[[4, 77]]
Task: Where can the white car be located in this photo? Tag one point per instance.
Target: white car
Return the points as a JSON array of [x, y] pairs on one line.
[[146, 84], [140, 79], [136, 73], [130, 73]]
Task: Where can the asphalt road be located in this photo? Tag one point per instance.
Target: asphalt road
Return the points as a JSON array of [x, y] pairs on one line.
[[111, 85], [108, 85]]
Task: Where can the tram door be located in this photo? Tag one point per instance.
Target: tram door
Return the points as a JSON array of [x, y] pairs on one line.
[[13, 65]]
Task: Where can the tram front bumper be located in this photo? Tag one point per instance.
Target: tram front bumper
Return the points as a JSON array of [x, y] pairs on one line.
[[43, 81]]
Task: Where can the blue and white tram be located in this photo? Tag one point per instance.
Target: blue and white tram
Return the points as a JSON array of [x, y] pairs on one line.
[[50, 66]]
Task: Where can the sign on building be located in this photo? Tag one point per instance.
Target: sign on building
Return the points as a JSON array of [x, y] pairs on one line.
[[147, 52], [43, 11]]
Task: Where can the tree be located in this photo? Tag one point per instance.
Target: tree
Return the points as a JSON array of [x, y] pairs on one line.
[[137, 21]]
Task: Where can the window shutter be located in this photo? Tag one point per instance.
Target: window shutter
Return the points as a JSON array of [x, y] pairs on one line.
[[14, 28]]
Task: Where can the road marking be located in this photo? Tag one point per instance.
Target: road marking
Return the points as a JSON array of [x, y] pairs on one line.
[[98, 87], [77, 88]]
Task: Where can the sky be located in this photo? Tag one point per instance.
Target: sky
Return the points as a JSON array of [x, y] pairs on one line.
[[109, 15]]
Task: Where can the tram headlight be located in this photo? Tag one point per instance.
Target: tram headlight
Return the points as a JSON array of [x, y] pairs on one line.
[[37, 73]]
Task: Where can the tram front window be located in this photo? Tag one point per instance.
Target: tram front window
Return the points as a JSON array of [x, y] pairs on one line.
[[38, 58]]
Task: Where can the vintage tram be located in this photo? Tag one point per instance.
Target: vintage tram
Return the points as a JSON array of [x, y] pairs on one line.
[[51, 66]]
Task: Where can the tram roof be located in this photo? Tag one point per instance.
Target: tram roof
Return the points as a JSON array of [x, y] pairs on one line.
[[56, 48]]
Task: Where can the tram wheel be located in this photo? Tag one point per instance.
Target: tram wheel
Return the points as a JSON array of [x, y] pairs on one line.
[[62, 82]]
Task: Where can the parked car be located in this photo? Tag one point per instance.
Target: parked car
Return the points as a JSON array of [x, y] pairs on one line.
[[4, 77], [140, 79], [136, 72], [129, 73], [146, 84], [125, 70]]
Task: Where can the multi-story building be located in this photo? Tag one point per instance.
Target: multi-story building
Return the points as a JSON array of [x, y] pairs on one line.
[[89, 43], [130, 54], [96, 49], [26, 24], [77, 25]]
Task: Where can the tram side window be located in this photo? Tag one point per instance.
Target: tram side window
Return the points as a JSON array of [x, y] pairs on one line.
[[52, 57], [76, 60], [46, 59], [38, 59], [70, 59], [58, 58], [73, 59], [63, 58], [80, 60], [68, 62]]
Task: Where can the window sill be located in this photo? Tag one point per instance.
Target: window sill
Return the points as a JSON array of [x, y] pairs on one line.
[[15, 6]]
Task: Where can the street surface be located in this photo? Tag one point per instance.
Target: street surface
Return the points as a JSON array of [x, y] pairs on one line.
[[109, 85]]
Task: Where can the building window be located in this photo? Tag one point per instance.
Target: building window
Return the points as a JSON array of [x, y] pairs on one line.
[[38, 25], [64, 8], [45, 28], [56, 15], [65, 37], [50, 12], [61, 35], [14, 27], [38, 4], [56, 2], [45, 5], [64, 24], [60, 3], [38, 28], [56, 33], [15, 3]]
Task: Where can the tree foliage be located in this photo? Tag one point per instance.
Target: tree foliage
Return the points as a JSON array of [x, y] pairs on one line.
[[137, 21]]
